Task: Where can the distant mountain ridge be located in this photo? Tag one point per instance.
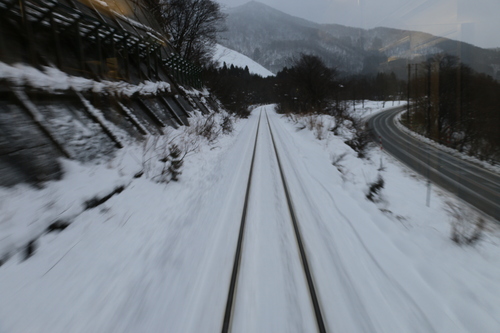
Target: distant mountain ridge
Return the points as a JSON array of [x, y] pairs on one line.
[[272, 38]]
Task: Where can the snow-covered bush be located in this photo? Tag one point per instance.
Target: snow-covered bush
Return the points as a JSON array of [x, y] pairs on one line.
[[313, 122], [163, 156], [205, 127], [156, 157], [360, 140], [375, 188], [226, 124], [319, 129], [466, 225], [175, 159], [336, 159]]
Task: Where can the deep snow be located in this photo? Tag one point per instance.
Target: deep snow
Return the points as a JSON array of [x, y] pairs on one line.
[[157, 257], [390, 266]]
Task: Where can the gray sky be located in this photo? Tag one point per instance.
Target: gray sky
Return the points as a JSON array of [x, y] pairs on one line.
[[472, 21]]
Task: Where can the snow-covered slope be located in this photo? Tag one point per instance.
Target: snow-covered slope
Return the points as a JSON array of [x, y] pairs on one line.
[[228, 56]]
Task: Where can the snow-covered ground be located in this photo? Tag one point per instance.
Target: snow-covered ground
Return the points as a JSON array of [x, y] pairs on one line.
[[388, 266], [157, 257], [224, 55], [369, 108]]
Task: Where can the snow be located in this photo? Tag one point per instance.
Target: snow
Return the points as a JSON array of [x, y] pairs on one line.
[[118, 135], [146, 244], [158, 256], [370, 108], [131, 115], [395, 256], [230, 57], [151, 32], [398, 270], [272, 285], [53, 80], [26, 212]]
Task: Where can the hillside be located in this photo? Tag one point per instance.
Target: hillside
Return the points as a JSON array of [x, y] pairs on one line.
[[230, 57], [272, 38]]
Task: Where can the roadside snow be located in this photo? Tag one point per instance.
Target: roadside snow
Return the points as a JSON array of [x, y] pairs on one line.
[[371, 108]]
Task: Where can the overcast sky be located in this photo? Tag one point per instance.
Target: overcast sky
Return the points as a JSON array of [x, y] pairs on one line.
[[472, 21]]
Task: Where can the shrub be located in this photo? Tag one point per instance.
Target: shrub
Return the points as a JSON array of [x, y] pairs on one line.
[[359, 143], [176, 161], [205, 127], [336, 162], [466, 226], [226, 124], [336, 159], [374, 189]]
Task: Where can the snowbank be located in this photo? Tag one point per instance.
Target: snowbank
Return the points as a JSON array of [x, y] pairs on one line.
[[53, 80]]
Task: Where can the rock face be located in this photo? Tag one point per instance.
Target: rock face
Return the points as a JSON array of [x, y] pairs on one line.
[[272, 38], [82, 80]]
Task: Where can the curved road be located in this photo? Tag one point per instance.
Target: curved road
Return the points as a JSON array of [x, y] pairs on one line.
[[473, 184]]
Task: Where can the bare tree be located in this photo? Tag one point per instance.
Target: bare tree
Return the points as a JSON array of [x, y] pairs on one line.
[[308, 86], [193, 26]]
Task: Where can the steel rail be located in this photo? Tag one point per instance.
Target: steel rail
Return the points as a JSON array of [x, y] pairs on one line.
[[237, 257], [305, 264], [226, 326]]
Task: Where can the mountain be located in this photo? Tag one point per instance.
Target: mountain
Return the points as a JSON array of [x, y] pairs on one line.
[[273, 38], [230, 57]]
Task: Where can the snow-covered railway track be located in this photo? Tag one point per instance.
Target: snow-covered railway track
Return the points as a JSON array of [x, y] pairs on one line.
[[270, 267]]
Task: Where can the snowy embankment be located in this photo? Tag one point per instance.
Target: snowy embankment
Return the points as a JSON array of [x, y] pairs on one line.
[[390, 263], [27, 213], [53, 80], [157, 257], [230, 57], [146, 259]]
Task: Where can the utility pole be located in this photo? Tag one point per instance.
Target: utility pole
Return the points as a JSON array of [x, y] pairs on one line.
[[429, 100], [416, 81], [428, 201], [408, 97]]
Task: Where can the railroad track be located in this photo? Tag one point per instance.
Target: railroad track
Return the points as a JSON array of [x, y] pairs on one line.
[[307, 277]]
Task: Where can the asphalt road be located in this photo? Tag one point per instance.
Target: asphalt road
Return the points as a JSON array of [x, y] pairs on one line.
[[471, 183]]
